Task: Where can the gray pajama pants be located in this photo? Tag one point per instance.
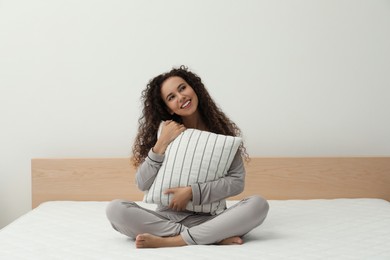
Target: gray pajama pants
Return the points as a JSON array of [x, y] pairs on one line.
[[130, 219]]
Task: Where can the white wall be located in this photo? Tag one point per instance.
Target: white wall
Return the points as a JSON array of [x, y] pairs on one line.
[[301, 78]]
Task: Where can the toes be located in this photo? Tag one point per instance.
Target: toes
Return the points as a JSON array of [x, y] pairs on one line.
[[232, 241], [238, 241], [140, 241], [140, 237]]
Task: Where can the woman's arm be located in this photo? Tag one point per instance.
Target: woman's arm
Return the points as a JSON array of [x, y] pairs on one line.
[[230, 185], [148, 170]]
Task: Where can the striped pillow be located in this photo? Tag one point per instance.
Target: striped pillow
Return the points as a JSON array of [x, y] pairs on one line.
[[195, 156]]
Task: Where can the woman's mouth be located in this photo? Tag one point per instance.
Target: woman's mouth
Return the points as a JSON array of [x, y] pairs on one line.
[[186, 104]]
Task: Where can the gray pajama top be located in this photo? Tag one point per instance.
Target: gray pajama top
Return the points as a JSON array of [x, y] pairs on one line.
[[202, 193]]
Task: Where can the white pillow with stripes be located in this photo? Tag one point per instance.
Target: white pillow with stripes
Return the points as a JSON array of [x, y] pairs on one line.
[[195, 156]]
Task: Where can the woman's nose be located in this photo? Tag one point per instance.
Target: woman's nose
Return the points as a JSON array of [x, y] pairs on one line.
[[181, 98]]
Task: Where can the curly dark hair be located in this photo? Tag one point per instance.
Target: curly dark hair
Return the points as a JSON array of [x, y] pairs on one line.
[[154, 111]]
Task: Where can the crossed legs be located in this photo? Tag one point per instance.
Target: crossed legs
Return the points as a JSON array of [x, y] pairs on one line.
[[151, 229]]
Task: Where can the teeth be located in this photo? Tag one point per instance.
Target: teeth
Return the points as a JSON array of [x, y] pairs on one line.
[[185, 104]]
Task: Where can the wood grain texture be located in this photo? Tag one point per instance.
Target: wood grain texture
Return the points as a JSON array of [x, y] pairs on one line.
[[104, 179]]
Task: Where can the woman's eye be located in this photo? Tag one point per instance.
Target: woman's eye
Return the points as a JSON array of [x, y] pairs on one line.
[[182, 88], [170, 98]]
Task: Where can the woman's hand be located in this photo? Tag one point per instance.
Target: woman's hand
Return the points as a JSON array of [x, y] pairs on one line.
[[170, 130], [181, 196]]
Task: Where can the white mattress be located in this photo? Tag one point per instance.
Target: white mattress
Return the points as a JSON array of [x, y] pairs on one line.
[[294, 229]]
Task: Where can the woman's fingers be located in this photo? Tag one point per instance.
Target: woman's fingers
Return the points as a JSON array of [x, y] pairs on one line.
[[173, 129]]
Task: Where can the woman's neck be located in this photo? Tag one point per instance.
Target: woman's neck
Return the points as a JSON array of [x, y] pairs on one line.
[[195, 122]]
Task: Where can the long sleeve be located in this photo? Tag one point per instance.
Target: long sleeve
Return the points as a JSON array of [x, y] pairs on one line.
[[230, 185], [148, 170]]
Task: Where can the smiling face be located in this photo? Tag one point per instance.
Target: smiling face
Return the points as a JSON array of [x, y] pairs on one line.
[[179, 97]]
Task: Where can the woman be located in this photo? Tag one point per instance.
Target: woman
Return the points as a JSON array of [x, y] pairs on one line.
[[175, 101]]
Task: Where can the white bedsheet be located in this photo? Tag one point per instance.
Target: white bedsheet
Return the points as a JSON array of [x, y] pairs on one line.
[[294, 229]]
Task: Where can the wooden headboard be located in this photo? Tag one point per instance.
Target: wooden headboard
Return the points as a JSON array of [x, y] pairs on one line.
[[104, 179]]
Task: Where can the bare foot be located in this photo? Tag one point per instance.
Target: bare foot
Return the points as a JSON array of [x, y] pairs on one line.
[[232, 241], [150, 241]]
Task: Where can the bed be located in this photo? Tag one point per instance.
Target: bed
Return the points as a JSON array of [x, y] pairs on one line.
[[320, 208]]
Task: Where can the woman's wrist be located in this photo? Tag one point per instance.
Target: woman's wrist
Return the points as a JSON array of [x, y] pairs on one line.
[[159, 148], [189, 192]]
